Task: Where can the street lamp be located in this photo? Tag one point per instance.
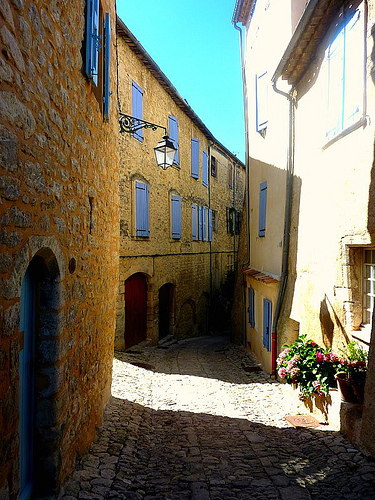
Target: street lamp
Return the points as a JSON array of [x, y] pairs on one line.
[[165, 150]]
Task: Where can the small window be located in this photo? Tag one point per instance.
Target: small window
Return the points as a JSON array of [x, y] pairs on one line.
[[141, 209], [261, 89], [204, 169], [262, 209], [250, 309], [173, 135], [137, 108], [195, 158], [176, 216], [267, 323], [194, 218], [213, 166]]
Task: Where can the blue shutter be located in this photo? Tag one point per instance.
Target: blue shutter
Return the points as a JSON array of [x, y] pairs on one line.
[[205, 170], [195, 158], [141, 202], [261, 101], [176, 216], [267, 323], [335, 85], [251, 307], [204, 224], [137, 109], [209, 225], [353, 76], [173, 135], [107, 66], [200, 223], [92, 40], [194, 222], [262, 209]]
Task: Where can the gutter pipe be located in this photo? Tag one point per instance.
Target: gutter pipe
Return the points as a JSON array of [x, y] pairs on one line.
[[247, 172]]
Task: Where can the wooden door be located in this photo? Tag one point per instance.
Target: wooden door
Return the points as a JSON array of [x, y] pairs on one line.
[[26, 387], [135, 310], [165, 301]]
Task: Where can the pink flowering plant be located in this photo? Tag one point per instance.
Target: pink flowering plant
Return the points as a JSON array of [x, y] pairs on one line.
[[309, 367]]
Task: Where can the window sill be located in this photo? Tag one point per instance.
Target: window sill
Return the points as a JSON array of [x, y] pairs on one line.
[[362, 122], [363, 336]]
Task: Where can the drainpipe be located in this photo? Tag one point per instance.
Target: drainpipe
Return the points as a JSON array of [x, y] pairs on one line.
[[247, 173], [291, 96]]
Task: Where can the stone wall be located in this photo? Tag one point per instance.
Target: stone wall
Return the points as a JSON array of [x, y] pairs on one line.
[[194, 268], [58, 218]]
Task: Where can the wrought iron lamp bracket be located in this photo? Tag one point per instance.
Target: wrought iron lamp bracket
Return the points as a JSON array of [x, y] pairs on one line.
[[131, 124]]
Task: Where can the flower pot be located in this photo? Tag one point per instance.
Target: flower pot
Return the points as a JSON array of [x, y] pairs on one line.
[[351, 388]]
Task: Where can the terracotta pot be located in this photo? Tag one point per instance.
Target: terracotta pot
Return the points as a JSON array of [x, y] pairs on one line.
[[351, 389]]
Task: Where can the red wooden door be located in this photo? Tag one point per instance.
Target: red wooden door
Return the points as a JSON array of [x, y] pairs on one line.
[[135, 310]]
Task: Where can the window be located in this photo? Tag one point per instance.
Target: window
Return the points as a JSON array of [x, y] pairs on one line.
[[195, 158], [267, 323], [213, 166], [204, 169], [173, 135], [230, 176], [98, 52], [251, 307], [137, 108], [262, 209], [261, 98], [176, 216], [368, 285], [141, 209], [346, 74], [194, 216]]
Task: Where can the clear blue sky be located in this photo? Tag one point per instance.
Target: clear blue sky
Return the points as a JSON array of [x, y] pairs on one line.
[[197, 48]]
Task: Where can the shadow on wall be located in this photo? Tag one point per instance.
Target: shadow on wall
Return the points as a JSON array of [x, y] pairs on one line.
[[187, 320]]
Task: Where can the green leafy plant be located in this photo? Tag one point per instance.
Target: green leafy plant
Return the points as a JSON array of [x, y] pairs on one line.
[[354, 360]]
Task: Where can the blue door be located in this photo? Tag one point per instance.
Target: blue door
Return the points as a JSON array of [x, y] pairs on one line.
[[26, 386]]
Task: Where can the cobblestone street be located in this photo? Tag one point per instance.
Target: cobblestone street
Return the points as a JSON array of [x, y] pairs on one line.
[[197, 420]]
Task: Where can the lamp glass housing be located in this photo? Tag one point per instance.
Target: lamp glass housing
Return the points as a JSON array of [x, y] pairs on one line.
[[165, 152]]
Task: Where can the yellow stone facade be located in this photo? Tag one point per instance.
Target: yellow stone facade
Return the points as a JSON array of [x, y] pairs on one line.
[[192, 270]]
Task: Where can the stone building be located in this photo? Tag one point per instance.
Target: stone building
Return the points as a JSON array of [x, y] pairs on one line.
[[58, 235], [177, 226], [310, 103]]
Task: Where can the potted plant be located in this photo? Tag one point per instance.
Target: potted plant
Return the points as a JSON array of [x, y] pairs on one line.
[[351, 373]]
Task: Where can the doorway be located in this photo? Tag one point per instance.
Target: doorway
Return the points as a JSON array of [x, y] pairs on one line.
[[135, 310], [165, 309]]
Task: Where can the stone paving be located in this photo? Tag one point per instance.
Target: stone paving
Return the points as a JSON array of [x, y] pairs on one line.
[[190, 420]]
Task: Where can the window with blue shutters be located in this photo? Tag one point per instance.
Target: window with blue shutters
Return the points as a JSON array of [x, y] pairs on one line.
[[93, 42], [194, 219], [262, 209], [267, 323], [200, 223], [141, 209], [204, 169], [261, 89], [210, 224], [106, 70], [176, 216], [195, 158], [137, 108], [173, 135], [346, 74], [204, 223], [251, 308]]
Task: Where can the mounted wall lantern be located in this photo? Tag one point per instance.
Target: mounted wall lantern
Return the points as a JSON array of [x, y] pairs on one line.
[[165, 150]]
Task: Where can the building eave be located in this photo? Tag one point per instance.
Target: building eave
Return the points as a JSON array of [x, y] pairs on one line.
[[155, 70], [242, 11]]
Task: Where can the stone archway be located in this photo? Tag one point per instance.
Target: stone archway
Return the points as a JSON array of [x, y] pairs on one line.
[[135, 310], [165, 309]]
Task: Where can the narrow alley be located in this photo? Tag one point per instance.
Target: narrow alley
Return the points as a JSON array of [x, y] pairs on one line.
[[197, 420]]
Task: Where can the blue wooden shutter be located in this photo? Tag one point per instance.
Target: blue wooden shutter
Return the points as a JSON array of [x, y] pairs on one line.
[[204, 224], [194, 222], [261, 101], [262, 209], [205, 170], [335, 85], [200, 223], [353, 76], [173, 135], [251, 308], [267, 323], [209, 225], [141, 202], [92, 40], [195, 158], [176, 216], [107, 66], [137, 109]]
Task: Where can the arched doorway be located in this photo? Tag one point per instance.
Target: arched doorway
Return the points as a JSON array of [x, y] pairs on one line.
[[39, 456], [165, 309], [135, 310]]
